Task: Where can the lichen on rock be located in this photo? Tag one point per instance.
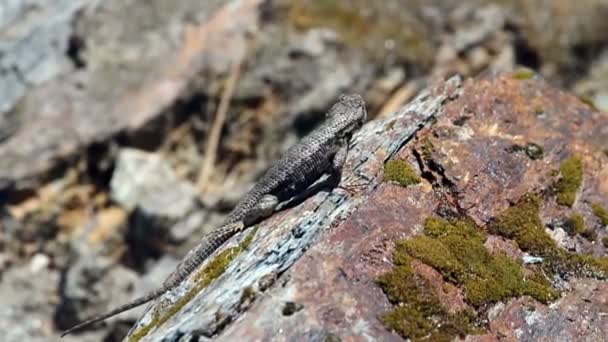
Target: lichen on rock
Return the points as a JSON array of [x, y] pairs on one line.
[[203, 278]]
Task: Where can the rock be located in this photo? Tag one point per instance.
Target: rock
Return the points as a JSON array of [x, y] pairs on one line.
[[324, 255], [308, 69], [128, 70], [188, 226], [39, 262], [578, 316], [93, 284], [35, 38], [284, 241], [594, 88], [145, 181], [27, 307]]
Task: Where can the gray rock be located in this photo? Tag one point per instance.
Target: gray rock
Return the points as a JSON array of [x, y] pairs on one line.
[[27, 306], [131, 64], [94, 284], [188, 226], [34, 38], [145, 181]]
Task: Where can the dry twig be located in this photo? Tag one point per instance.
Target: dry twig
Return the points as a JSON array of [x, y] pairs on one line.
[[216, 129]]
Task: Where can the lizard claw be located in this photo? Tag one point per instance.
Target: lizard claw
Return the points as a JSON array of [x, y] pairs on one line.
[[354, 187]]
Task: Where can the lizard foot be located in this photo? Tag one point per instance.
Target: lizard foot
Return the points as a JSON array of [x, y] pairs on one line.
[[354, 187]]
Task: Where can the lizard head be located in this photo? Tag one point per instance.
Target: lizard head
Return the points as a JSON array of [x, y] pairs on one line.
[[348, 114]]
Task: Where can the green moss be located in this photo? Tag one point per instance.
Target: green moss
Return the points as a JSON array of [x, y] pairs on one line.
[[427, 148], [522, 223], [401, 172], [432, 252], [605, 241], [418, 314], [486, 278], [600, 212], [575, 224], [456, 250], [532, 150], [204, 277], [566, 187], [523, 74], [539, 111]]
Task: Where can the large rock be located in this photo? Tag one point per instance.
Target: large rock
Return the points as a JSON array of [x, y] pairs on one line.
[[310, 271], [123, 71], [145, 181]]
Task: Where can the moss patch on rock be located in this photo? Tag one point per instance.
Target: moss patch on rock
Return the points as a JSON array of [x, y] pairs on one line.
[[571, 173], [521, 222], [575, 224], [418, 314], [600, 212], [203, 278], [485, 278], [401, 172], [456, 250]]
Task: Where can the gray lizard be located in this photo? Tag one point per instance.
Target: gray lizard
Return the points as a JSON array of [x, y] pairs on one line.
[[321, 152]]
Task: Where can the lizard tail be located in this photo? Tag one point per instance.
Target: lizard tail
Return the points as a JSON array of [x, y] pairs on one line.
[[137, 302], [193, 259]]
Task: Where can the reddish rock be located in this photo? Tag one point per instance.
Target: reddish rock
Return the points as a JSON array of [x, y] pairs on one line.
[[476, 171]]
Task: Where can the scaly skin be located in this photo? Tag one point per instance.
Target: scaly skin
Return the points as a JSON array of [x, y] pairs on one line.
[[323, 151]]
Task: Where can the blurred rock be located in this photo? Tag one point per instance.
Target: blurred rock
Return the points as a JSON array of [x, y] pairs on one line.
[[130, 69], [34, 41], [81, 78], [595, 87], [145, 181], [185, 228], [93, 284], [39, 262], [27, 307]]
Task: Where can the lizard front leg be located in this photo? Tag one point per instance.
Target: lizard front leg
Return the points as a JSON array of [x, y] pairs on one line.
[[337, 164], [337, 167]]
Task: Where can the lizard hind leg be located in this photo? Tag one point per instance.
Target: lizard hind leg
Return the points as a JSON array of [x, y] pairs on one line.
[[264, 208]]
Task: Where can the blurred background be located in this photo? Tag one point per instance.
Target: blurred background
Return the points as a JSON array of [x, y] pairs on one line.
[[128, 129]]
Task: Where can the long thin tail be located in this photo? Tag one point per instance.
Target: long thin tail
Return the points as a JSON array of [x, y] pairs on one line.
[[197, 255], [135, 303], [210, 242]]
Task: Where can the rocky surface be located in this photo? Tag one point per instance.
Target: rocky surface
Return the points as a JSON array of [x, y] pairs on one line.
[[84, 81], [310, 272], [131, 70]]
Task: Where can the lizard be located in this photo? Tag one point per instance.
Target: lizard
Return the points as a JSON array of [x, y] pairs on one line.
[[321, 152]]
